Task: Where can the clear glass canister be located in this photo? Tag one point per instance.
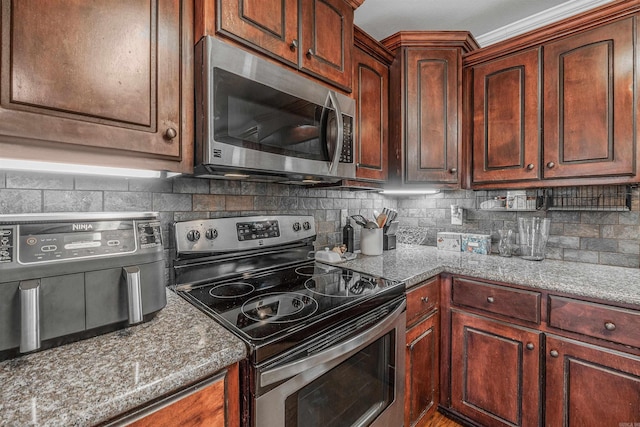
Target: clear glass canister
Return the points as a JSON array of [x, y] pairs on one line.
[[533, 234]]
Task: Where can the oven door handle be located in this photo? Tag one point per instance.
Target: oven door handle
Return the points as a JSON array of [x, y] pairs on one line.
[[294, 368]]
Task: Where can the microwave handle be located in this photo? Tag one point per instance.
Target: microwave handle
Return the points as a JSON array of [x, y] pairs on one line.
[[340, 122], [294, 368]]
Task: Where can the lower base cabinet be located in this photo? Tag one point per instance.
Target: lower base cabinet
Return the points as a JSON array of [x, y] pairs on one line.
[[212, 403], [421, 383], [495, 371], [590, 386], [422, 354]]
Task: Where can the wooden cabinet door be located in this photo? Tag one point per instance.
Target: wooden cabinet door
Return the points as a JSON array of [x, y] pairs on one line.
[[495, 371], [212, 403], [432, 101], [371, 86], [422, 371], [506, 137], [270, 26], [326, 40], [588, 386], [104, 75], [589, 103]]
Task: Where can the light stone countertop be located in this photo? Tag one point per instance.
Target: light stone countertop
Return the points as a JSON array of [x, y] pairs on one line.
[[91, 381], [415, 263]]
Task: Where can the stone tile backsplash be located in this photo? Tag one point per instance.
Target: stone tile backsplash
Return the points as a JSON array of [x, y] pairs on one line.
[[595, 237]]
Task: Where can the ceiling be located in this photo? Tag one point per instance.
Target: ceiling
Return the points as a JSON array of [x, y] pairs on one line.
[[488, 20]]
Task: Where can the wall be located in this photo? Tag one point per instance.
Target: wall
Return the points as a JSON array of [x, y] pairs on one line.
[[182, 198], [596, 237], [611, 238]]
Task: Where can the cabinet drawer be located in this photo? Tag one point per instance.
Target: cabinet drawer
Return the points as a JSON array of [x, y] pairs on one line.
[[510, 302], [596, 320], [422, 299]]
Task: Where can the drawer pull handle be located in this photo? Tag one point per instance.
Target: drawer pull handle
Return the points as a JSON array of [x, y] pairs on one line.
[[490, 299], [554, 353], [610, 326], [424, 299], [530, 346]]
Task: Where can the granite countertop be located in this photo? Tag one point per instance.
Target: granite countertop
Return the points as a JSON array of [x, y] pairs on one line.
[[91, 381], [415, 263]]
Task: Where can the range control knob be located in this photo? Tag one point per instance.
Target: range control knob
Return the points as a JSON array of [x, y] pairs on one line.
[[296, 226], [193, 235], [306, 225], [211, 234]]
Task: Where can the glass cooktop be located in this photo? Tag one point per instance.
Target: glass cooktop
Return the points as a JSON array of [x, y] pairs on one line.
[[267, 305]]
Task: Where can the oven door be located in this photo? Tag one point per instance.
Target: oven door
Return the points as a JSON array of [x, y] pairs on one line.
[[357, 381]]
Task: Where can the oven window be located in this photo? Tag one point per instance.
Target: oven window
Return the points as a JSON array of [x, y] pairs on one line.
[[353, 393], [251, 115]]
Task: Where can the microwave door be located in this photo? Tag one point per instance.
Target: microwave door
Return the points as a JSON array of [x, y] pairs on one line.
[[333, 130]]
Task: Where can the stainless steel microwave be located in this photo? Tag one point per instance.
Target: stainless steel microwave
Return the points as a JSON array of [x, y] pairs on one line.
[[255, 118]]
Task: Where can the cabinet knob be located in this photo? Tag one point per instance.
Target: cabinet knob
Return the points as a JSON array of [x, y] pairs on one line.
[[530, 166], [294, 45], [550, 165], [490, 299], [424, 299], [309, 53], [530, 346], [554, 353], [170, 133], [453, 170], [610, 326]]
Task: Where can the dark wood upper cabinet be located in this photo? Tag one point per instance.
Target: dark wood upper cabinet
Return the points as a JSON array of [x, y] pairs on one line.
[[589, 103], [506, 136], [313, 36], [371, 90], [588, 386], [268, 25], [97, 83], [426, 110], [556, 106], [326, 40]]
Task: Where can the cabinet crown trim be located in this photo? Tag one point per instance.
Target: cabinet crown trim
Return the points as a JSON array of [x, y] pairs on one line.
[[461, 39]]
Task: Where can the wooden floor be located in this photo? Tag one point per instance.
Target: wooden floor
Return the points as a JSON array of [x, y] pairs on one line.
[[440, 420]]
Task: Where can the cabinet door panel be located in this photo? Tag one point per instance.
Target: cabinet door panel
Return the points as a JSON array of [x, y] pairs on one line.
[[588, 94], [506, 142], [422, 370], [495, 372], [92, 74], [371, 85], [432, 113], [267, 25], [326, 32], [589, 386]]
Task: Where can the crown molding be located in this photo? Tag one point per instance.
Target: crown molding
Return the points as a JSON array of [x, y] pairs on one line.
[[538, 20]]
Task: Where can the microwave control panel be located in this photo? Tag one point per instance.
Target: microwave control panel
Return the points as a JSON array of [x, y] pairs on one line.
[[346, 156]]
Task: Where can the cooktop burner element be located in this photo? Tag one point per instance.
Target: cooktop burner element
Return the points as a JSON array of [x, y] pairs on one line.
[[232, 290], [279, 307]]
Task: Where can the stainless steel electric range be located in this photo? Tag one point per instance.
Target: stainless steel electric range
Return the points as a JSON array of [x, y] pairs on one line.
[[326, 344]]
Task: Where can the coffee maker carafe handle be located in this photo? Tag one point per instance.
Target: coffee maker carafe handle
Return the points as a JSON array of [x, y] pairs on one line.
[[29, 315], [134, 293]]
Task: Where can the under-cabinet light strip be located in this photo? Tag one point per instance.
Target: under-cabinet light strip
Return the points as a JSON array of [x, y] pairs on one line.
[[70, 168]]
